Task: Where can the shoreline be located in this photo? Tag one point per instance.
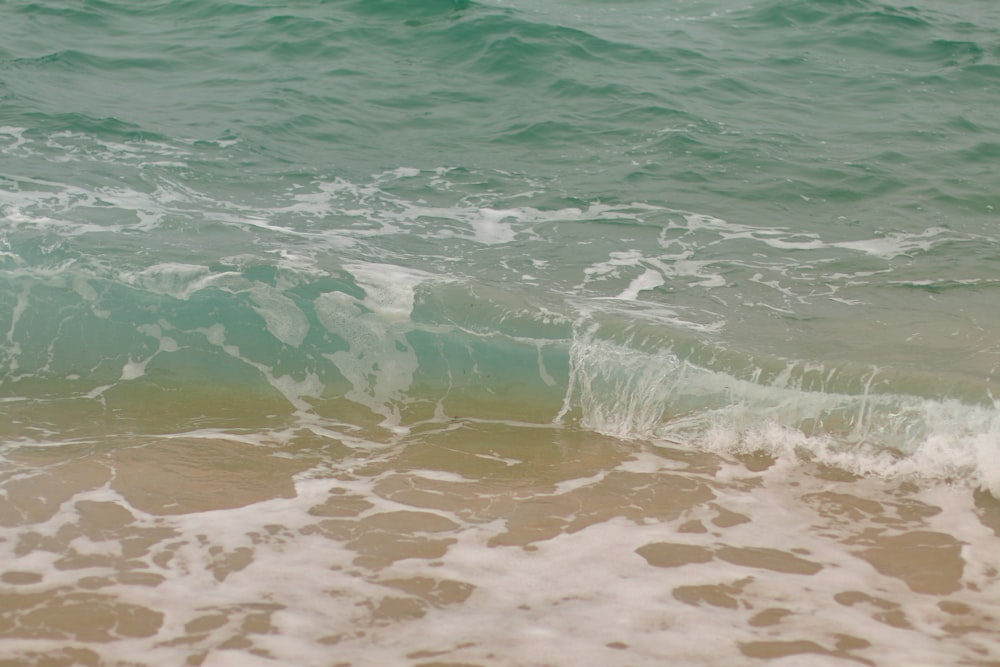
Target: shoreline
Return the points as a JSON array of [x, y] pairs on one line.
[[488, 544]]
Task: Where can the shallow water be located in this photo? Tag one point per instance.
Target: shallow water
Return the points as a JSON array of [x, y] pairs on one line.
[[483, 542], [441, 333]]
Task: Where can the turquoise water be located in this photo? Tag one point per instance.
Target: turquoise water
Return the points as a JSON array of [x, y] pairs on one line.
[[782, 212], [473, 302]]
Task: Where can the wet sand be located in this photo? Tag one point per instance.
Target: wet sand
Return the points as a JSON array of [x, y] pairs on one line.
[[482, 543]]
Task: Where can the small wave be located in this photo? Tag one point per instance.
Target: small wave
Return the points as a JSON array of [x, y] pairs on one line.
[[834, 12], [865, 420]]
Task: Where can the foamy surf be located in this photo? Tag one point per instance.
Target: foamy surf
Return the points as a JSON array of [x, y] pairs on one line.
[[856, 419], [213, 552]]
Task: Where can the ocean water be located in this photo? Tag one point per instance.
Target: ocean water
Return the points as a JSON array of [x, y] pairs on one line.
[[445, 332]]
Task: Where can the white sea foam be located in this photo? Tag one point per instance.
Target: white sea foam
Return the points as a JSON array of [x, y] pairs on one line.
[[174, 279], [133, 369], [632, 394], [15, 138], [294, 389], [283, 318], [379, 362], [389, 290], [406, 172], [650, 279], [894, 245], [490, 226], [271, 573]]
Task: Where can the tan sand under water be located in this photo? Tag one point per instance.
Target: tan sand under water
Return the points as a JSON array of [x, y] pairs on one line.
[[482, 543]]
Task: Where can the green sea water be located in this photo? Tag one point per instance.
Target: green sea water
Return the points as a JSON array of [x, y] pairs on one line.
[[747, 228], [793, 201]]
